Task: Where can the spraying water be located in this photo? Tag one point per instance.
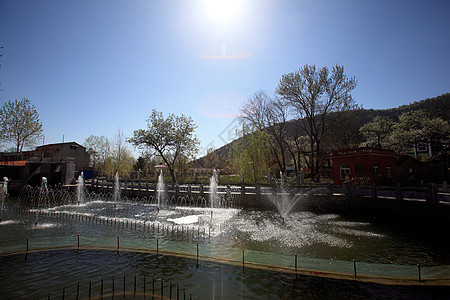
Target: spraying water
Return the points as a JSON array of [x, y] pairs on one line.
[[43, 195], [116, 188], [5, 187], [160, 187], [44, 188], [213, 196], [80, 189], [4, 195], [283, 200]]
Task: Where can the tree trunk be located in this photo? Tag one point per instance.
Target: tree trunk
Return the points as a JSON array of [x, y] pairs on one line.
[[294, 159], [169, 166], [318, 162], [283, 158], [274, 151], [312, 159]]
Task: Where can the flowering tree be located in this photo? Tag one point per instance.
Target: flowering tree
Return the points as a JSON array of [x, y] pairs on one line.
[[20, 124], [171, 138]]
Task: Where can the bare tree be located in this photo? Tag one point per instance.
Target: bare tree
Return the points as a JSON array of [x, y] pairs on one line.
[[314, 93], [120, 159], [269, 115], [99, 149], [298, 146]]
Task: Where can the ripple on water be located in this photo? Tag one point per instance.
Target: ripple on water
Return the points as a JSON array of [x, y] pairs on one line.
[[8, 222], [356, 232], [44, 225]]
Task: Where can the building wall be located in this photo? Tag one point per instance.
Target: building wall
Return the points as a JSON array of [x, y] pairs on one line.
[[361, 163], [58, 162], [65, 152]]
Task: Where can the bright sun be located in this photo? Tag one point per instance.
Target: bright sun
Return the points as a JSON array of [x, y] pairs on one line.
[[223, 11]]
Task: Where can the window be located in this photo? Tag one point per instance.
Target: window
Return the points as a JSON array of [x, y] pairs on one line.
[[388, 171], [422, 147], [376, 170], [344, 170]]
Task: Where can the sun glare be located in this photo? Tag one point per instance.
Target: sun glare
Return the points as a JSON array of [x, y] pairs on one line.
[[223, 11]]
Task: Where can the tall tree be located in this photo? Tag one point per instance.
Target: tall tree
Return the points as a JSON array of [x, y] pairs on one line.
[[99, 148], [20, 124], [269, 114], [171, 138], [314, 93], [298, 146], [120, 159]]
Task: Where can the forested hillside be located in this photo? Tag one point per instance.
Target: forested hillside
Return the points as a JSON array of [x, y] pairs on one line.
[[438, 107], [346, 132]]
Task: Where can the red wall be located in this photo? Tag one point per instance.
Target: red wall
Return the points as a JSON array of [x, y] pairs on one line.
[[368, 160]]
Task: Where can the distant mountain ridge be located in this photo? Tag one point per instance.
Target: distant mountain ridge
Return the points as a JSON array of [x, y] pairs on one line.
[[437, 107]]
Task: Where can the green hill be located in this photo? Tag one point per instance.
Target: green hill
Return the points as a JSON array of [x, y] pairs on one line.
[[436, 107]]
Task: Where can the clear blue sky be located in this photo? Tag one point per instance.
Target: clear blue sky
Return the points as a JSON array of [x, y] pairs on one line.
[[92, 67]]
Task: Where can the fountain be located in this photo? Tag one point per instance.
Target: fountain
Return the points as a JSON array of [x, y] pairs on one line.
[[283, 200], [161, 190], [44, 187], [214, 199], [298, 232], [43, 197], [80, 189], [5, 187], [325, 242], [3, 196], [116, 188]]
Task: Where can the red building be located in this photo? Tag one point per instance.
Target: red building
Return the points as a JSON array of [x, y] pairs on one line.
[[364, 166]]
